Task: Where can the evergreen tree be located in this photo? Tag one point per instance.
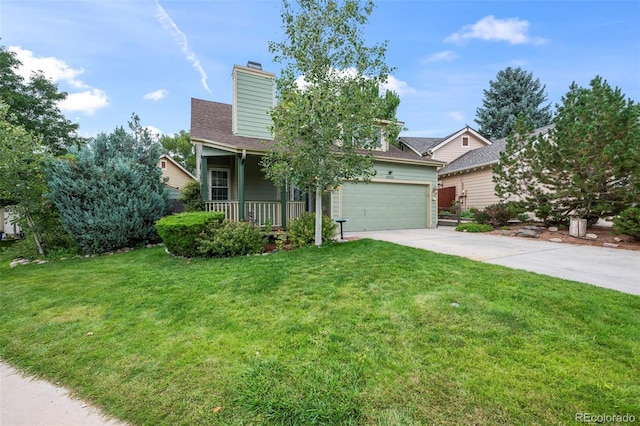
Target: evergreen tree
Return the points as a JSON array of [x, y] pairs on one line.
[[109, 193], [590, 163], [587, 165], [514, 92], [34, 105]]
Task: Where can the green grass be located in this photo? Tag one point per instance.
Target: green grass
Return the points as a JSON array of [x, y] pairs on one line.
[[364, 332]]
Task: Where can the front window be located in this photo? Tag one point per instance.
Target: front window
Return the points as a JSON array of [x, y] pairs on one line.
[[219, 184]]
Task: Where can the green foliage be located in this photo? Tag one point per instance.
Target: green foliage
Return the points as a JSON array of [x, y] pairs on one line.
[[230, 239], [179, 232], [590, 163], [302, 230], [34, 104], [110, 194], [513, 93], [180, 148], [497, 215], [191, 196], [474, 227], [340, 100], [628, 222]]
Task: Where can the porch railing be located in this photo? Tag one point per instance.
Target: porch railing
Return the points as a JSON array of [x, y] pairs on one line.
[[257, 211]]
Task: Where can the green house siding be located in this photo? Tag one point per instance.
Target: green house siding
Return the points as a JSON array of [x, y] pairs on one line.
[[399, 197], [257, 187], [252, 103]]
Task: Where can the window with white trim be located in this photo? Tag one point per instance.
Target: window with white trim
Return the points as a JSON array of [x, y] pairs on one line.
[[219, 184]]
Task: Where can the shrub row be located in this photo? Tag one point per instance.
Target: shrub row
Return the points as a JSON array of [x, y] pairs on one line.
[[207, 234], [474, 227]]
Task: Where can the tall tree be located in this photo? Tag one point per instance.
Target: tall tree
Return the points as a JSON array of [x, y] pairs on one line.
[[512, 93], [324, 129], [21, 170], [587, 165], [591, 158], [180, 148], [109, 193], [34, 105]]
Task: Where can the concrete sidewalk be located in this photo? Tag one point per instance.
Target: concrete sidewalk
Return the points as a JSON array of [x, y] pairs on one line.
[[31, 402], [604, 267]]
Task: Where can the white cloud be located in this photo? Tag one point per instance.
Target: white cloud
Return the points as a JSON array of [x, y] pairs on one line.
[[168, 24], [87, 102], [512, 30], [398, 86], [157, 95], [55, 69], [154, 132], [445, 56]]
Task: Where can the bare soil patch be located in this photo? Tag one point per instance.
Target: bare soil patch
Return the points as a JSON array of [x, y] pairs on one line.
[[605, 235]]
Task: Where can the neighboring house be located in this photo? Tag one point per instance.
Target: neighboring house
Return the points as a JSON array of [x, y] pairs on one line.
[[231, 140], [444, 149], [177, 175], [470, 177], [8, 226]]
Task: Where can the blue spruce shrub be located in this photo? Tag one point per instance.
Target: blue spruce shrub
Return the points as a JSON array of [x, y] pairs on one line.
[[109, 193]]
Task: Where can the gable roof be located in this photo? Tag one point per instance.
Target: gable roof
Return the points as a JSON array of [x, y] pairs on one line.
[[211, 125], [486, 156], [174, 162], [422, 146]]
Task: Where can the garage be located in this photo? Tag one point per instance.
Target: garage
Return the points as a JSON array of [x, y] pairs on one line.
[[377, 206]]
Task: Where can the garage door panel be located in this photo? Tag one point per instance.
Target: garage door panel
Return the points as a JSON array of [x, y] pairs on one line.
[[379, 206]]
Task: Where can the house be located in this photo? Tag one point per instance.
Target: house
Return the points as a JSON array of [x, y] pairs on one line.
[[8, 225], [177, 176], [447, 148], [231, 139], [470, 177]]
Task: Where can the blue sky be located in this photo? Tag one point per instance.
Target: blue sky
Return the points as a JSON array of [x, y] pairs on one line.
[[116, 57]]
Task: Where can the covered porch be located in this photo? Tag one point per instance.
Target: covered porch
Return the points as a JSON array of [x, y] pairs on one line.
[[235, 184]]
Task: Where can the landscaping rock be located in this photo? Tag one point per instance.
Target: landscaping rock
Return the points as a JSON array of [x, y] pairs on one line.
[[591, 236], [610, 245], [537, 229], [527, 233], [17, 262], [508, 233], [552, 229], [455, 304], [617, 239], [555, 240]]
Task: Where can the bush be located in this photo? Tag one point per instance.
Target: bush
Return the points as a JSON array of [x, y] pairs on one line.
[[474, 227], [628, 222], [302, 231], [180, 231], [231, 239], [191, 197]]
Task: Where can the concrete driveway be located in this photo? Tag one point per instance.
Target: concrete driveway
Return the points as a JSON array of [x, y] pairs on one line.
[[605, 267]]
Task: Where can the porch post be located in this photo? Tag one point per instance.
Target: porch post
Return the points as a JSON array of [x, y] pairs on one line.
[[204, 179], [240, 163], [283, 202]]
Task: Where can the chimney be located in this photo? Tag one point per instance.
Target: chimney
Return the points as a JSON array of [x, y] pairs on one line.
[[253, 94]]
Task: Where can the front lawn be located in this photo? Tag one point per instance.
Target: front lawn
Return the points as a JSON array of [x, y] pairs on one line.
[[364, 332]]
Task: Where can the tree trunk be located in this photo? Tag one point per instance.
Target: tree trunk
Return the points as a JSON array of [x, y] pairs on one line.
[[36, 234], [318, 215]]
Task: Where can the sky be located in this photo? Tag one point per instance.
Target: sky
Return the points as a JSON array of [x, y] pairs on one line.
[[150, 57]]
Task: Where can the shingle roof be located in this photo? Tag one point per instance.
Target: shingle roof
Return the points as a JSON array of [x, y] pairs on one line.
[[211, 121], [487, 155], [421, 145]]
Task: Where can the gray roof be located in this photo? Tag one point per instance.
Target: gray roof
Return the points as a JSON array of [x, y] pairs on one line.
[[421, 145], [487, 155]]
